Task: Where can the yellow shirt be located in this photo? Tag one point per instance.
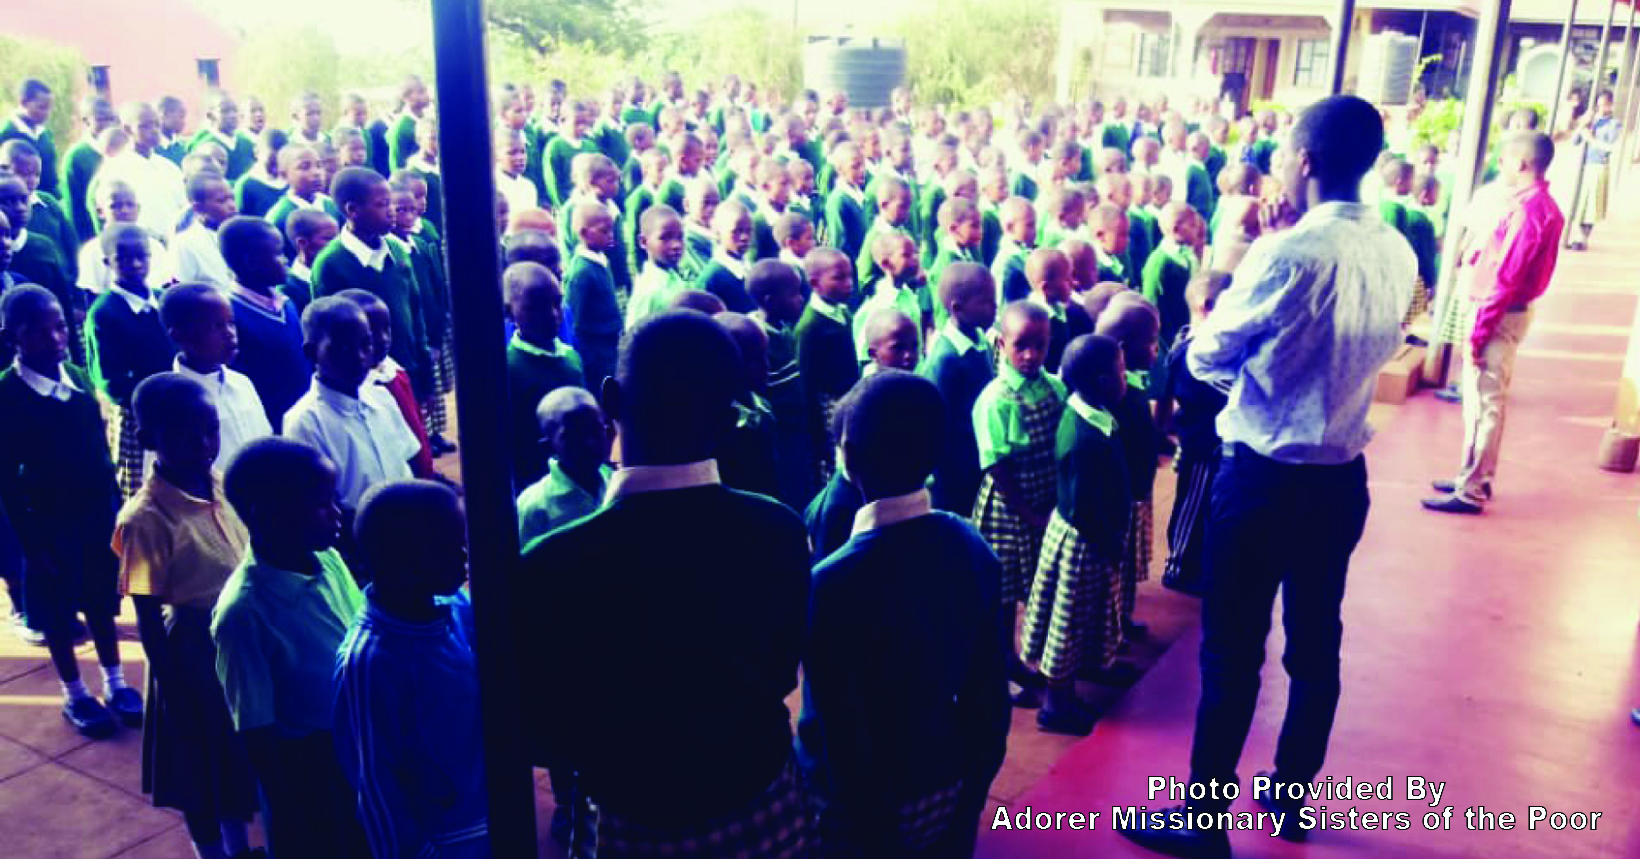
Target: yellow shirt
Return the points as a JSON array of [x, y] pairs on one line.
[[176, 547]]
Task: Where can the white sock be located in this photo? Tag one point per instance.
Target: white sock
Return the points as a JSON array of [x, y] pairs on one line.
[[74, 690], [113, 678]]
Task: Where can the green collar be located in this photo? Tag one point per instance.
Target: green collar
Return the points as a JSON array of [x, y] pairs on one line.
[[528, 348], [1138, 379], [1096, 417]]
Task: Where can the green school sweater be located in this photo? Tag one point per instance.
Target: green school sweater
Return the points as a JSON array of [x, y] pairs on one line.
[[125, 347], [48, 217], [41, 262], [435, 196], [1166, 275], [595, 313], [764, 245], [825, 354], [1119, 269], [865, 265], [173, 151], [1200, 193], [1263, 149], [874, 190], [729, 287], [1215, 164], [990, 222], [534, 163], [1023, 185], [1009, 273], [56, 475], [45, 144], [846, 224], [928, 220], [637, 203], [1116, 136], [298, 290], [434, 291], [337, 269], [697, 253], [79, 166], [257, 198], [1426, 245], [241, 156], [949, 253], [532, 373], [1143, 235], [559, 156], [401, 141], [286, 205], [747, 456]]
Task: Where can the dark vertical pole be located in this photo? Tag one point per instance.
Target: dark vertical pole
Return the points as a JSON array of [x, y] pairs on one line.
[[481, 404], [1491, 45], [1623, 92], [1341, 43], [1565, 63], [1596, 84]]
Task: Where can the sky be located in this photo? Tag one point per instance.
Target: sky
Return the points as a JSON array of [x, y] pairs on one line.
[[375, 25]]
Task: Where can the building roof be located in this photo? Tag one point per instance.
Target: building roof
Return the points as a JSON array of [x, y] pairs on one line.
[[150, 46]]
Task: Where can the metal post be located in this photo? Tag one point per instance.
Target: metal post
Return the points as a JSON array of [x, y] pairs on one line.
[[1484, 80], [1595, 85], [1565, 63], [1624, 94], [1341, 43], [481, 406]]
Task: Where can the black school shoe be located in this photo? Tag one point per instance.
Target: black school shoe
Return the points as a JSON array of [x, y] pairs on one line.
[[1070, 721], [90, 718], [1450, 487], [440, 445], [1291, 832], [126, 705], [1452, 504], [1182, 843]]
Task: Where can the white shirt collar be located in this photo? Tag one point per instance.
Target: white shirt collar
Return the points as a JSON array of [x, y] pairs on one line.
[[958, 339], [786, 256], [301, 269], [18, 241], [637, 479], [892, 510], [371, 258], [736, 267], [27, 127], [835, 312], [137, 303], [590, 255], [227, 141], [210, 380], [853, 193], [385, 372], [317, 204], [59, 389], [419, 163]]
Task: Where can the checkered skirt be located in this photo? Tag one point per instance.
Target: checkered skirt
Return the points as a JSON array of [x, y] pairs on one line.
[[1074, 614], [776, 825], [1136, 561], [128, 453], [1420, 302], [1016, 543], [825, 451], [1456, 311], [444, 381]]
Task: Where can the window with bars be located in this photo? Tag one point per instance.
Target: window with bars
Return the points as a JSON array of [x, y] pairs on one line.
[[1313, 67], [1155, 55], [208, 72]]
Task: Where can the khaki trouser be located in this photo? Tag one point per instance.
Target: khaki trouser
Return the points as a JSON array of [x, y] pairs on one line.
[[1485, 391]]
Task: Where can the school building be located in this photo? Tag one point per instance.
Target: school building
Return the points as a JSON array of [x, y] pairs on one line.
[[1281, 51], [135, 49]]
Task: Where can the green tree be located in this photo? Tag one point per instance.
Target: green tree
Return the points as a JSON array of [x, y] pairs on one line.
[[971, 52], [543, 26], [744, 40], [277, 65], [62, 69]]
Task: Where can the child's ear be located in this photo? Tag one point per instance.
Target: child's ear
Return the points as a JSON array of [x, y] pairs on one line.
[[609, 399]]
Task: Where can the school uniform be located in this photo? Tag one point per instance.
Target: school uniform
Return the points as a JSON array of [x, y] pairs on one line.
[[788, 398], [697, 251], [1144, 234], [830, 516], [257, 192], [746, 458], [653, 291], [289, 203], [725, 277], [80, 164], [1166, 276], [711, 779], [1215, 161], [519, 191], [429, 173], [401, 141], [408, 732], [365, 437], [961, 367], [385, 272], [846, 224], [180, 549], [196, 256], [906, 298], [1116, 268], [241, 150], [927, 217], [17, 127], [560, 155], [59, 492], [1261, 152], [948, 253], [557, 500], [239, 409], [637, 202], [1140, 441], [127, 344], [96, 276], [1116, 135], [1009, 272], [1023, 184], [1014, 420], [829, 365], [1195, 419], [1073, 618], [390, 377], [172, 148], [764, 244], [533, 372], [270, 351], [1066, 322], [589, 299], [36, 259], [920, 585], [46, 216], [866, 271], [427, 263], [990, 222], [277, 633], [158, 183]]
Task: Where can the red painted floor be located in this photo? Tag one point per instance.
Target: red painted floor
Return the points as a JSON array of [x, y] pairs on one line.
[[1496, 654]]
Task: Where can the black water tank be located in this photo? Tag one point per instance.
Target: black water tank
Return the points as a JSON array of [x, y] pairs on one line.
[[866, 69]]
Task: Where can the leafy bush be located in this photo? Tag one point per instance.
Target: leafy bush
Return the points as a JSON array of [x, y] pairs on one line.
[[1437, 122], [279, 64], [973, 52], [62, 69]]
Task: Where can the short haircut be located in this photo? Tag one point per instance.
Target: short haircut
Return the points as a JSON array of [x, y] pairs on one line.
[[698, 300], [403, 178], [532, 246], [238, 232], [769, 277], [387, 512], [345, 134], [653, 217], [271, 471], [679, 374], [352, 186], [112, 234], [292, 151], [791, 225], [22, 303], [1085, 359], [1539, 148], [1025, 309], [182, 303], [31, 89], [888, 408], [585, 166], [170, 104], [1342, 135], [322, 313], [18, 149], [955, 210], [558, 402], [200, 184], [158, 400], [522, 275], [306, 223], [892, 183], [363, 299], [960, 278]]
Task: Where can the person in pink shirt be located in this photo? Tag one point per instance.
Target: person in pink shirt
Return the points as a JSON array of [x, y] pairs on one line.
[[1511, 270]]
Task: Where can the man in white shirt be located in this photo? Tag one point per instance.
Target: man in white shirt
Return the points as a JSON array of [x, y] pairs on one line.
[[157, 182], [196, 257]]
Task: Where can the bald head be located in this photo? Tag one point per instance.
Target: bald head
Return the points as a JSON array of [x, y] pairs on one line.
[[1534, 148]]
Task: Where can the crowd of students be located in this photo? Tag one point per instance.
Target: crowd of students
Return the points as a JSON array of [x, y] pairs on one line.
[[893, 386]]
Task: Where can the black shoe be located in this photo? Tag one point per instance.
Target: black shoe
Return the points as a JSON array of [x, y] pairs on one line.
[[1449, 395], [1415, 340], [1183, 843], [1027, 678], [1291, 831], [90, 718], [1452, 504], [1450, 487], [1023, 698], [1071, 721], [1119, 674], [126, 705], [1133, 629], [440, 445]]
